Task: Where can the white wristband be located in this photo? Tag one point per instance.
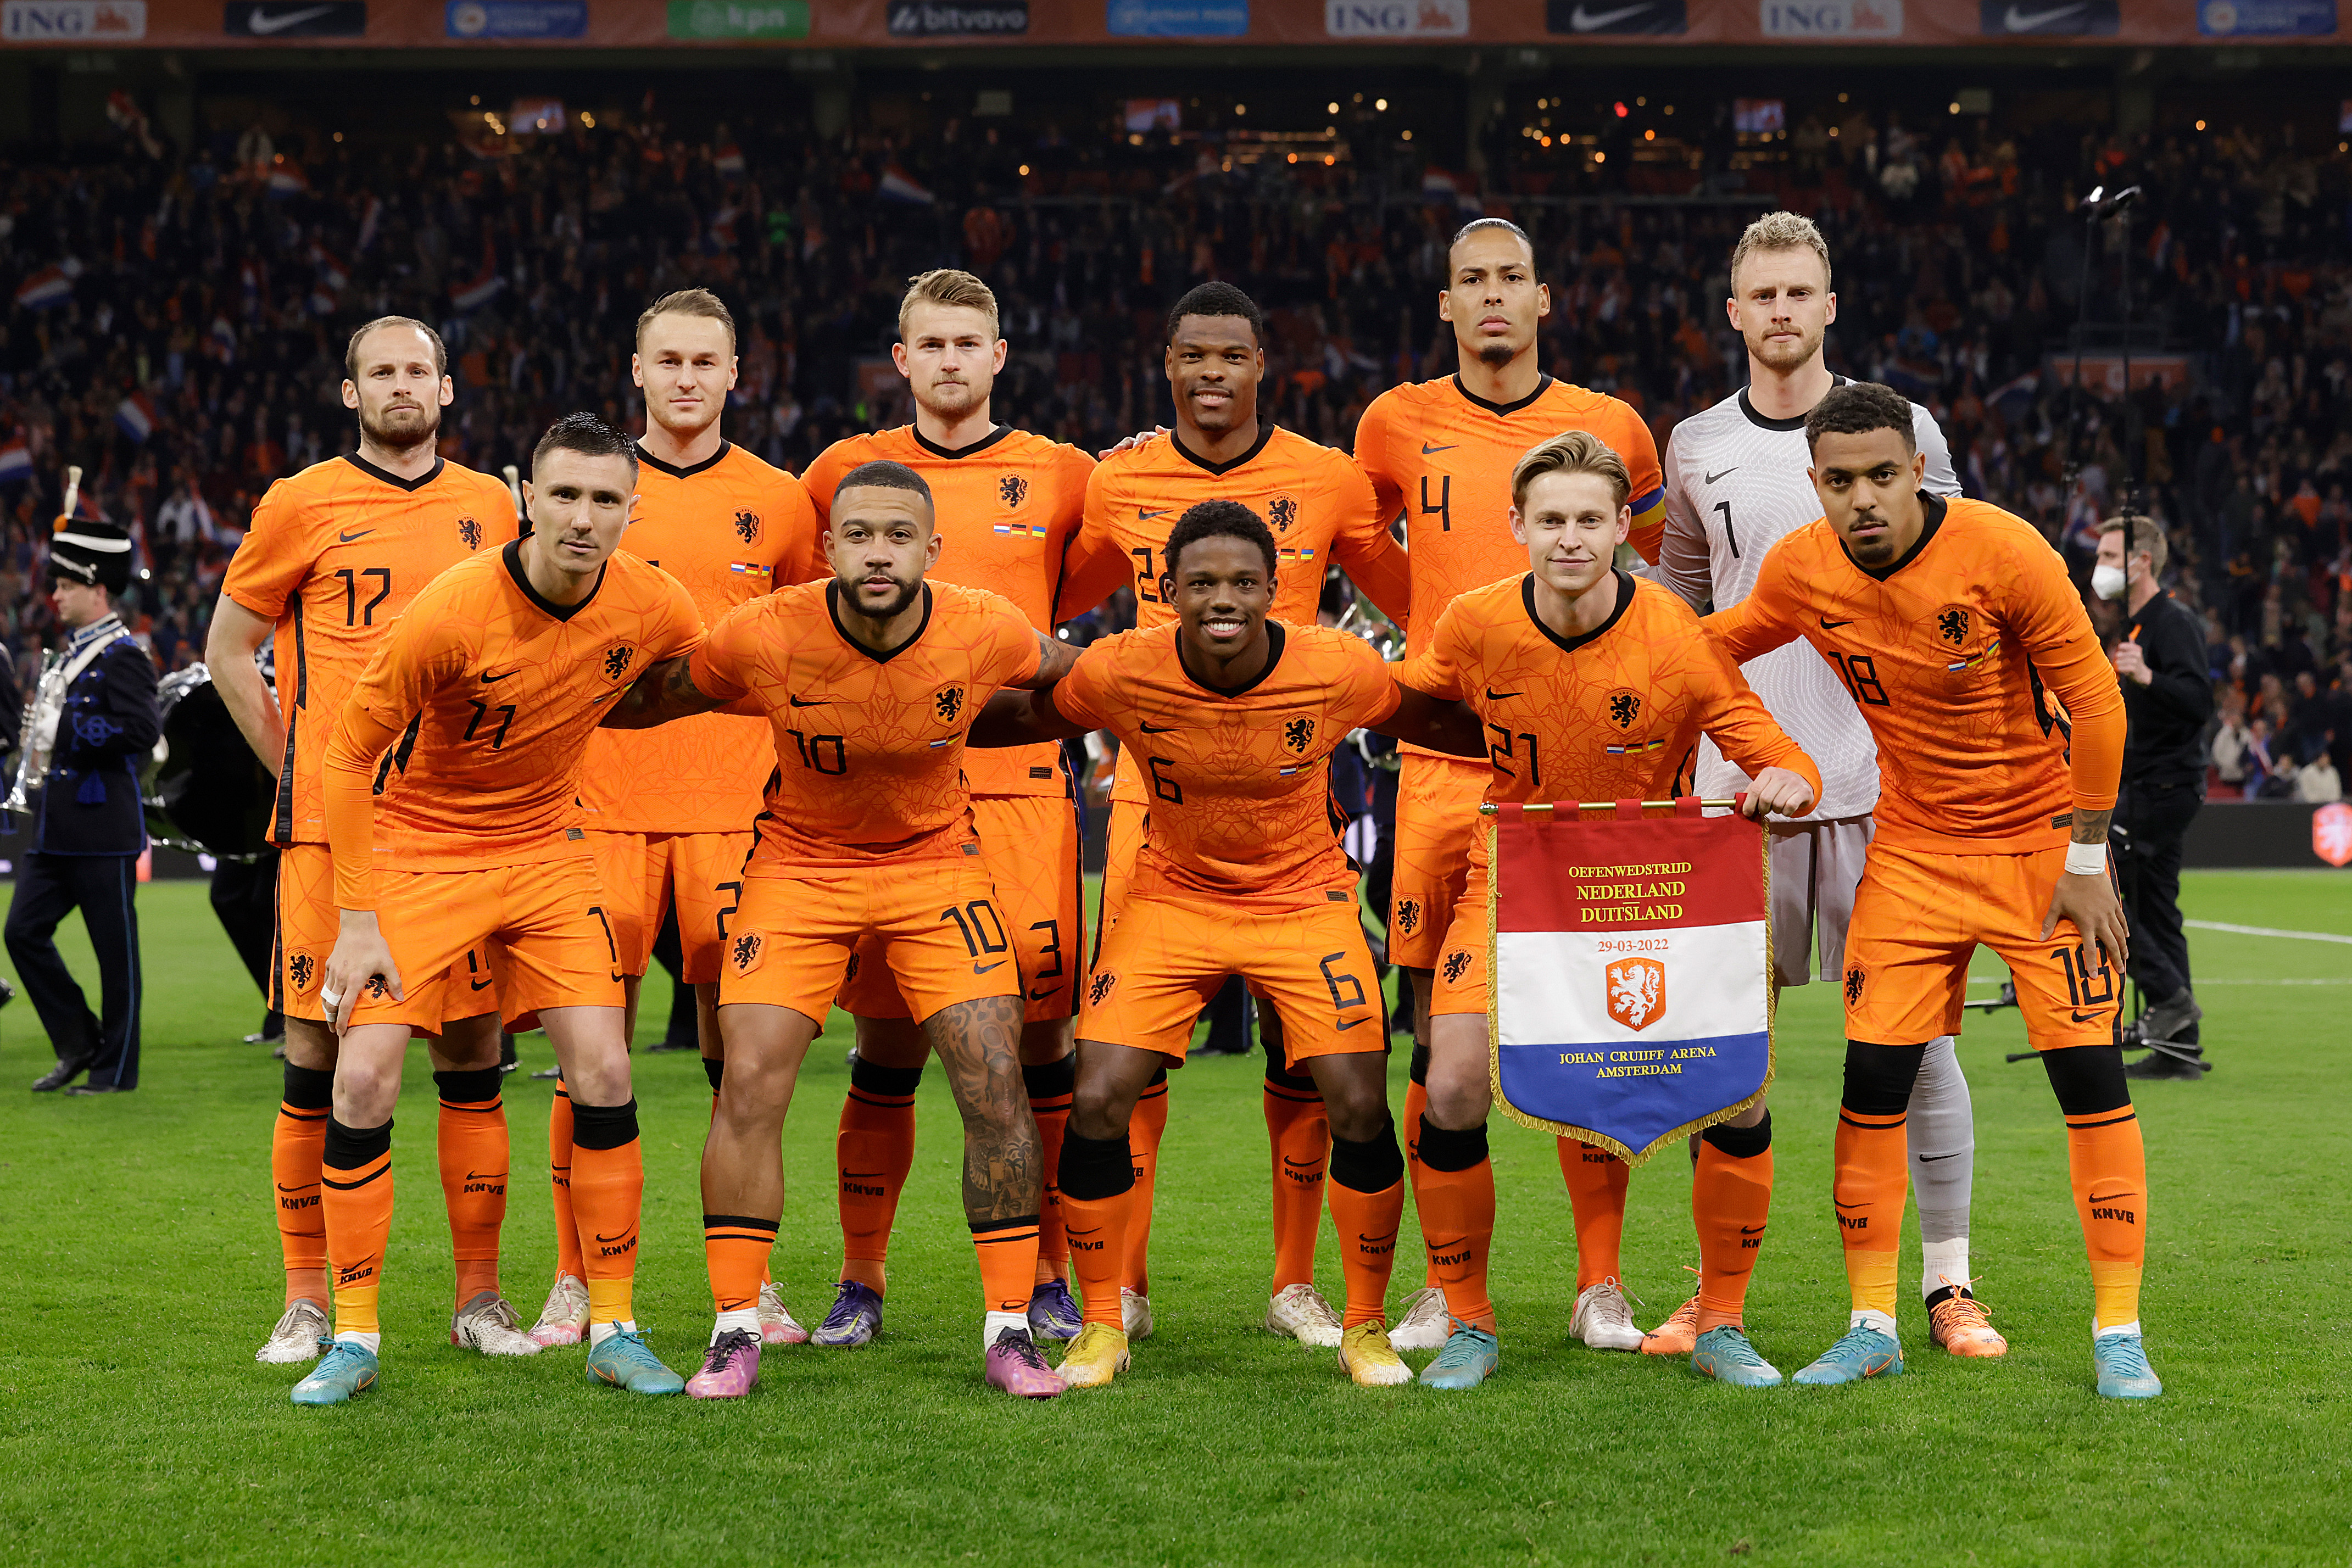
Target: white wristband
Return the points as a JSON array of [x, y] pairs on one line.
[[2087, 859]]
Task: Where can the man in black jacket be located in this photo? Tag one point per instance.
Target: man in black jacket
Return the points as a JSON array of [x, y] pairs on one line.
[[97, 719], [2168, 698]]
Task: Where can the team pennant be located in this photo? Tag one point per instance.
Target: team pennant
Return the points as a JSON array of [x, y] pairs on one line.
[[1630, 969]]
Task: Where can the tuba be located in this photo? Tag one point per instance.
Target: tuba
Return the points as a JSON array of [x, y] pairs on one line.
[[43, 710]]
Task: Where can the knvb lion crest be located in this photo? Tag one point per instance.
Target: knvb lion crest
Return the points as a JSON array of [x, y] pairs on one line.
[[1624, 708], [744, 951], [1281, 512], [616, 662], [1012, 490], [1408, 915], [949, 703], [470, 532], [1952, 624], [1853, 985], [1637, 992], [299, 969], [747, 527], [1299, 734], [1100, 988], [1456, 965]]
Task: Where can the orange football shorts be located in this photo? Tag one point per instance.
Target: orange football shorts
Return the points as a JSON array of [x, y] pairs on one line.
[[701, 873], [1161, 959], [1030, 845], [548, 919], [1436, 817], [1919, 917], [309, 920], [934, 921], [1459, 962]]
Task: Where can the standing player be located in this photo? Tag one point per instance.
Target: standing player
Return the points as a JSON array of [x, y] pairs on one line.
[[1008, 504], [1608, 681], [1321, 511], [870, 680], [334, 557], [670, 815], [1953, 626], [1234, 716], [480, 701], [1441, 453], [1735, 482]]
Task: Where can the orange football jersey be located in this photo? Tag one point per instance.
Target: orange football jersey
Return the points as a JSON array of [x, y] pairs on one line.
[[1947, 652], [730, 529], [472, 719], [335, 555], [1006, 508], [1610, 715], [869, 748], [1314, 499], [1238, 782]]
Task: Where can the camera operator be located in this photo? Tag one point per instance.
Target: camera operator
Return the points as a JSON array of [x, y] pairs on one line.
[[2168, 698]]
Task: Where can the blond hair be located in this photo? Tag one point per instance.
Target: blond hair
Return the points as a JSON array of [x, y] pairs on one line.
[[1570, 452], [689, 302], [2145, 538], [947, 286], [1780, 231]]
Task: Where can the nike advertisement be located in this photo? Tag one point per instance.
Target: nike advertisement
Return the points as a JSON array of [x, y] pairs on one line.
[[2049, 18], [292, 19], [1580, 17]]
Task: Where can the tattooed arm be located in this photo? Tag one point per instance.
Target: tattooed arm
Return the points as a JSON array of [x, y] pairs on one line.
[[665, 692]]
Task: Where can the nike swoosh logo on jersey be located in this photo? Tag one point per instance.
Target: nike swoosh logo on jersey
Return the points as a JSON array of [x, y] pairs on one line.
[[1829, 625], [1713, 477], [1157, 729], [809, 702], [489, 680], [984, 968], [1353, 1023], [262, 24], [1583, 21], [1143, 517], [349, 537], [2018, 21], [2086, 1018], [1428, 451], [1494, 697]]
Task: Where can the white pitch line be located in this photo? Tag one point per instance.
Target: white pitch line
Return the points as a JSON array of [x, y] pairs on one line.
[[2268, 931]]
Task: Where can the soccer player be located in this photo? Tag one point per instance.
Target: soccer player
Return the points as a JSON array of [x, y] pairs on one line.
[[1953, 627], [1439, 453], [1008, 504], [870, 680], [1735, 482], [471, 719], [670, 815], [1321, 511], [335, 555], [1596, 685], [1234, 717]]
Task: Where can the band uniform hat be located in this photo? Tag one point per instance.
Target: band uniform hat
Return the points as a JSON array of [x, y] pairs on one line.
[[90, 552]]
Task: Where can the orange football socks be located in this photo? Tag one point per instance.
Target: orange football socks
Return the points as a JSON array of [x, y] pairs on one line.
[[472, 1147], [1008, 1261], [1368, 1206], [873, 1151], [1873, 1174], [558, 1182], [608, 1185], [1144, 1130], [297, 1144], [356, 1181], [1731, 1202], [1098, 1182], [1453, 1189], [1416, 1106], [1300, 1133], [1051, 1087], [736, 1248], [2107, 1167], [1596, 1192]]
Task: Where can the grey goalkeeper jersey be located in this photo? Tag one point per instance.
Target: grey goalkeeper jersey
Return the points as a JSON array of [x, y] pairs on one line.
[[1735, 484]]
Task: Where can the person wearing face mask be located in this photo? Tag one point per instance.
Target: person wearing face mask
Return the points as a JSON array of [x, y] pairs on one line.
[[2160, 663]]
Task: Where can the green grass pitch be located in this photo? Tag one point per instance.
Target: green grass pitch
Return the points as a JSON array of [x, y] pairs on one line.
[[139, 1269]]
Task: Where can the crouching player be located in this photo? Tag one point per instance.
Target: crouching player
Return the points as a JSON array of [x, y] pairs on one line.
[[870, 680], [1598, 686], [472, 719], [1232, 719]]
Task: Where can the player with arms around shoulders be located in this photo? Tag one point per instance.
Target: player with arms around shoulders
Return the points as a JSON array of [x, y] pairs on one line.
[[669, 816], [1736, 482], [1956, 631], [1008, 504], [1594, 684], [336, 554], [451, 792], [1232, 716], [870, 680], [1439, 453]]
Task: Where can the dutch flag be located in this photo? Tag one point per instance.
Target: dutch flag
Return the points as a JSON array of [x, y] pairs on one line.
[[481, 292], [286, 180], [45, 290], [729, 161], [898, 185], [16, 461], [135, 417], [224, 338]]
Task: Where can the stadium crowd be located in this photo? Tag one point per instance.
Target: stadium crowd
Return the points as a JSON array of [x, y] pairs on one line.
[[174, 321]]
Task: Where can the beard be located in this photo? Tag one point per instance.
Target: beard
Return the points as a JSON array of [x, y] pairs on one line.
[[1786, 356], [1497, 354], [401, 430], [897, 605], [953, 400]]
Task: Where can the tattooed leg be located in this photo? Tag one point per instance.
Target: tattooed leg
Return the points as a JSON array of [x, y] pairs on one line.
[[978, 1042]]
